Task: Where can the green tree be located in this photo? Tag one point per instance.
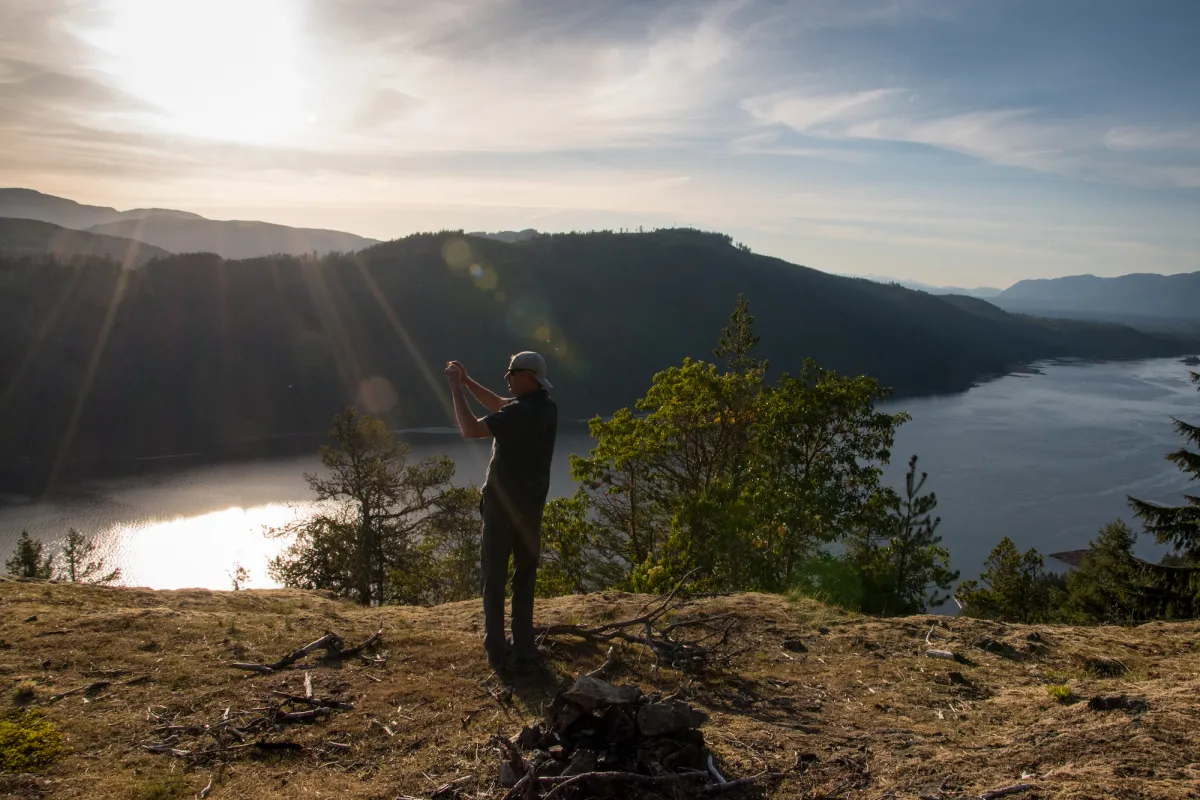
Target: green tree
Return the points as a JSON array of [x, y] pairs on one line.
[[1178, 526], [570, 562], [78, 566], [1015, 587], [720, 472], [821, 446], [383, 522], [27, 560], [899, 557]]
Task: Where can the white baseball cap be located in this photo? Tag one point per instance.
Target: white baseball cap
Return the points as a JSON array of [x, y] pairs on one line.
[[532, 362]]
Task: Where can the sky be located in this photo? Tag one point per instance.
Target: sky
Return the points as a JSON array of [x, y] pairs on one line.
[[955, 142]]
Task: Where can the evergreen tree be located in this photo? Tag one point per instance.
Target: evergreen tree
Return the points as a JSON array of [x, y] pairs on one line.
[[27, 560], [1178, 526], [1015, 587], [1107, 588], [738, 341], [902, 564], [1113, 586], [78, 565], [385, 524]]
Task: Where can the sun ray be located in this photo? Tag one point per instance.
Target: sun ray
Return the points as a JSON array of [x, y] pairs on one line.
[[89, 378]]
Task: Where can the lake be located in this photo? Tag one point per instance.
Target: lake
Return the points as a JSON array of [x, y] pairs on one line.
[[1045, 459]]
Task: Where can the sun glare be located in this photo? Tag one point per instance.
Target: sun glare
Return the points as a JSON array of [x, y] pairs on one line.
[[219, 69]]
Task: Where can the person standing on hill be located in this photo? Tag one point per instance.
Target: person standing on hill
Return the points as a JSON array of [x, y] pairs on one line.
[[523, 428]]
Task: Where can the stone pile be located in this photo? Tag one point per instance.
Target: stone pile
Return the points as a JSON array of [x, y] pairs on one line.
[[595, 726]]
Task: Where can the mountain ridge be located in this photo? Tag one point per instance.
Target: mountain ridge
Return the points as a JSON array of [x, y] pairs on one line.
[[179, 231], [29, 237]]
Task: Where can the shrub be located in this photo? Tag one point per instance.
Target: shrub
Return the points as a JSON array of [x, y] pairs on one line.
[[28, 741]]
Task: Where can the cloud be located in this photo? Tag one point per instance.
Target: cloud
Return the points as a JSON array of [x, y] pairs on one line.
[[1135, 137], [1029, 138]]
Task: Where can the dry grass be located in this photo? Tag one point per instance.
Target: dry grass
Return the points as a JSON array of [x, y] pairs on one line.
[[861, 714]]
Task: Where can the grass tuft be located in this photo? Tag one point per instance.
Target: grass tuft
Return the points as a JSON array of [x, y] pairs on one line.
[[1061, 693], [24, 693]]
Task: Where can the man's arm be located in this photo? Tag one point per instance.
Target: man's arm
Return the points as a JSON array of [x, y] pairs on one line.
[[470, 426], [486, 397]]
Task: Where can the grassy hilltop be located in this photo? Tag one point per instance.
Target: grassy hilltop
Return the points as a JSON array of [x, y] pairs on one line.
[[851, 708]]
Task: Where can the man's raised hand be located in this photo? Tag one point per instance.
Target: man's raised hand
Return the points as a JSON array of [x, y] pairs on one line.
[[454, 373]]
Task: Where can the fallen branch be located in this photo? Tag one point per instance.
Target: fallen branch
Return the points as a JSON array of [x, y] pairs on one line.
[[712, 768], [89, 689], [314, 701], [331, 643], [695, 654], [1007, 790], [617, 777], [263, 668], [717, 788], [610, 660]]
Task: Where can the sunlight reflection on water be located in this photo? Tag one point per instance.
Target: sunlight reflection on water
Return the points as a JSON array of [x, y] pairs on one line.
[[202, 550]]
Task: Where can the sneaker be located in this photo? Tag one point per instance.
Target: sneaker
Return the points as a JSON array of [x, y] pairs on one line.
[[499, 662], [530, 658]]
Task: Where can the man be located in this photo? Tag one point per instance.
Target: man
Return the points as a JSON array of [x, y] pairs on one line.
[[522, 427]]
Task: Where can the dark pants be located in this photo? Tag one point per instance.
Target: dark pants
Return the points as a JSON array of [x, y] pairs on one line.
[[505, 532]]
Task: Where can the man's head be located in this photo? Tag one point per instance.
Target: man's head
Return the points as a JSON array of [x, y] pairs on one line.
[[526, 374]]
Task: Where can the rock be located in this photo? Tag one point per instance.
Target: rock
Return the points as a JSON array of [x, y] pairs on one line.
[[822, 631], [508, 775], [582, 760], [618, 725], [795, 645], [959, 678], [1002, 649], [671, 716], [1118, 703], [530, 737], [592, 693]]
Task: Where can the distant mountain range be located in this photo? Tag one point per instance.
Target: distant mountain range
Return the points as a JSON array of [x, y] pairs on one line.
[[28, 237], [178, 231], [984, 292], [1140, 296], [207, 355], [1145, 300]]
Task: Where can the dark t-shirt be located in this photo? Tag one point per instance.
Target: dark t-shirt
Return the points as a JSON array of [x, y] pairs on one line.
[[523, 434]]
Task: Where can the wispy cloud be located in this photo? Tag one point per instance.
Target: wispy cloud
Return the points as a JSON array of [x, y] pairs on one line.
[[1017, 137]]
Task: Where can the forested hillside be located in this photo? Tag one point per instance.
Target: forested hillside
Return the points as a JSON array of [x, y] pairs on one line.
[[196, 353]]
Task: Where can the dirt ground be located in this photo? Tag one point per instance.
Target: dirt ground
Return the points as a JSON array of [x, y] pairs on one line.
[[852, 708]]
